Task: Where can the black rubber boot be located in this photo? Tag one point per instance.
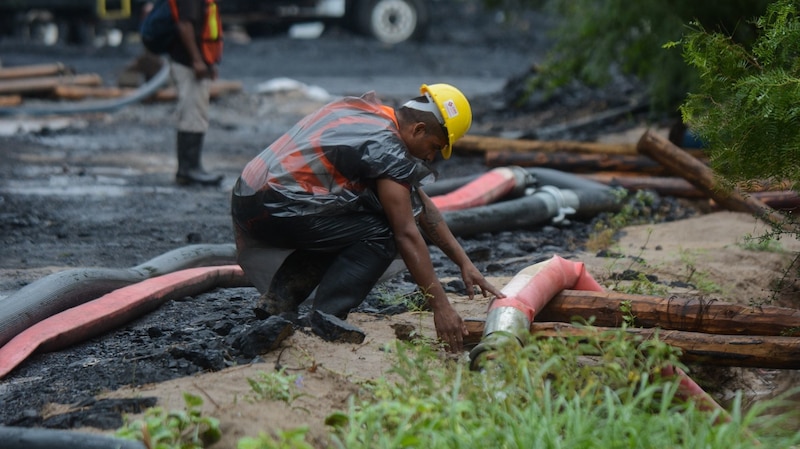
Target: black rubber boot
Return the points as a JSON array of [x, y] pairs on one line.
[[351, 277], [297, 277], [190, 170]]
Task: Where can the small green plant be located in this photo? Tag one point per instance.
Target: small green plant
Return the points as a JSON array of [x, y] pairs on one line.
[[413, 300], [276, 386], [764, 243], [636, 209], [286, 439], [182, 429], [700, 279], [626, 309]]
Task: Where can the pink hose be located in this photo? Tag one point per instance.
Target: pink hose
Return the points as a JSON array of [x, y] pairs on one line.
[[486, 189], [112, 310], [532, 288]]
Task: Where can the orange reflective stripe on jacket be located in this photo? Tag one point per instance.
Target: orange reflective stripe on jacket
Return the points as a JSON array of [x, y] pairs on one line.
[[212, 34]]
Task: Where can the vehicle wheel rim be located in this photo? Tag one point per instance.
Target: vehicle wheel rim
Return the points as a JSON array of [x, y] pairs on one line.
[[393, 21]]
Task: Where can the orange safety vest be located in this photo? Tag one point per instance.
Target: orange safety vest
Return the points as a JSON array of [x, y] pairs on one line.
[[211, 36]]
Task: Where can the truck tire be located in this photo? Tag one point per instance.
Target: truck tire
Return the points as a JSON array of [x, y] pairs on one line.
[[392, 21]]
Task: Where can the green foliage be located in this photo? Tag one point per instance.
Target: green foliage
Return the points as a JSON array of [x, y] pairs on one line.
[[276, 386], [602, 389], [594, 38], [637, 208], [746, 109], [181, 429], [288, 439], [764, 243]]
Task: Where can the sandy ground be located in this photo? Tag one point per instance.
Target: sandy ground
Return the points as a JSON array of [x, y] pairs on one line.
[[332, 372]]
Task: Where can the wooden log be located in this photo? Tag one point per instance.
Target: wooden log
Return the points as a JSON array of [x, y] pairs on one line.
[[719, 350], [680, 163], [781, 200], [663, 185], [486, 144], [217, 88], [10, 100], [82, 92], [47, 84], [32, 71], [575, 163], [683, 314]]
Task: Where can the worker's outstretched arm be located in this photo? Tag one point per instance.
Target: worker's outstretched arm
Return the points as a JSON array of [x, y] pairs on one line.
[[396, 202], [434, 226]]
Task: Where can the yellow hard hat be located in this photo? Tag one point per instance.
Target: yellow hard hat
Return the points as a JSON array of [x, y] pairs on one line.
[[456, 114]]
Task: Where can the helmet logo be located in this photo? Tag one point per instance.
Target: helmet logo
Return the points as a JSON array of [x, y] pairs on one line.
[[450, 108]]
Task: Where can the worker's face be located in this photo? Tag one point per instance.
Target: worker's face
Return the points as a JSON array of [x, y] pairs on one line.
[[426, 142]]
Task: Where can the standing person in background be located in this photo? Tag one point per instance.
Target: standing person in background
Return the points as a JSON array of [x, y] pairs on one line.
[[194, 56]]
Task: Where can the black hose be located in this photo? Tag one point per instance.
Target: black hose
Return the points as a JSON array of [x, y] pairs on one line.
[[563, 180], [144, 91], [541, 177], [530, 210], [61, 291], [37, 438]]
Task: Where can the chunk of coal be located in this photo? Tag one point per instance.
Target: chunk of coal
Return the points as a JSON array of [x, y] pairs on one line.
[[331, 328], [264, 336]]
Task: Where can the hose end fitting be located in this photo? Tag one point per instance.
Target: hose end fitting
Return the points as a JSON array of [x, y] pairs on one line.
[[503, 326]]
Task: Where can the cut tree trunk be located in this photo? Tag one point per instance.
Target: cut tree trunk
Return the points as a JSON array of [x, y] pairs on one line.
[[216, 89], [47, 84], [575, 162], [10, 100], [691, 315], [486, 144], [32, 71], [680, 163], [720, 350]]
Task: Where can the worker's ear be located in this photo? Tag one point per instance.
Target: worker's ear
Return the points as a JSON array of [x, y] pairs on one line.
[[419, 130]]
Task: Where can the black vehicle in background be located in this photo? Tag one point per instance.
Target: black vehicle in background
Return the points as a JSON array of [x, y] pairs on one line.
[[105, 22]]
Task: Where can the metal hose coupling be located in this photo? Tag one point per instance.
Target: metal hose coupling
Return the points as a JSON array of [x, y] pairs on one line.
[[503, 326]]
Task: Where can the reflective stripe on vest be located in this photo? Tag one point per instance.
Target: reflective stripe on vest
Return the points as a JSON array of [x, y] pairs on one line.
[[212, 34]]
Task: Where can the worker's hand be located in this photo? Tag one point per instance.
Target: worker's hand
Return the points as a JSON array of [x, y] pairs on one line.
[[201, 69], [450, 328], [473, 278]]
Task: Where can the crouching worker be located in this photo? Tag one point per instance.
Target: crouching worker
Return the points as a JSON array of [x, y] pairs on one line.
[[330, 204]]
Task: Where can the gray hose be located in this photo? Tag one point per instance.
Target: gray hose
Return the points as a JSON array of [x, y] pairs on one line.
[[546, 204], [539, 175], [61, 291], [37, 438], [144, 91]]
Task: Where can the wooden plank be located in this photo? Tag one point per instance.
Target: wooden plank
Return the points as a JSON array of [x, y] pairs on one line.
[[684, 314], [32, 71], [485, 144], [720, 350], [47, 84], [576, 162], [680, 163], [10, 100]]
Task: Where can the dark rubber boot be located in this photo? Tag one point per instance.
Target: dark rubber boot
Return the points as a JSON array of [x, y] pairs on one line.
[[190, 170], [297, 277], [352, 275]]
